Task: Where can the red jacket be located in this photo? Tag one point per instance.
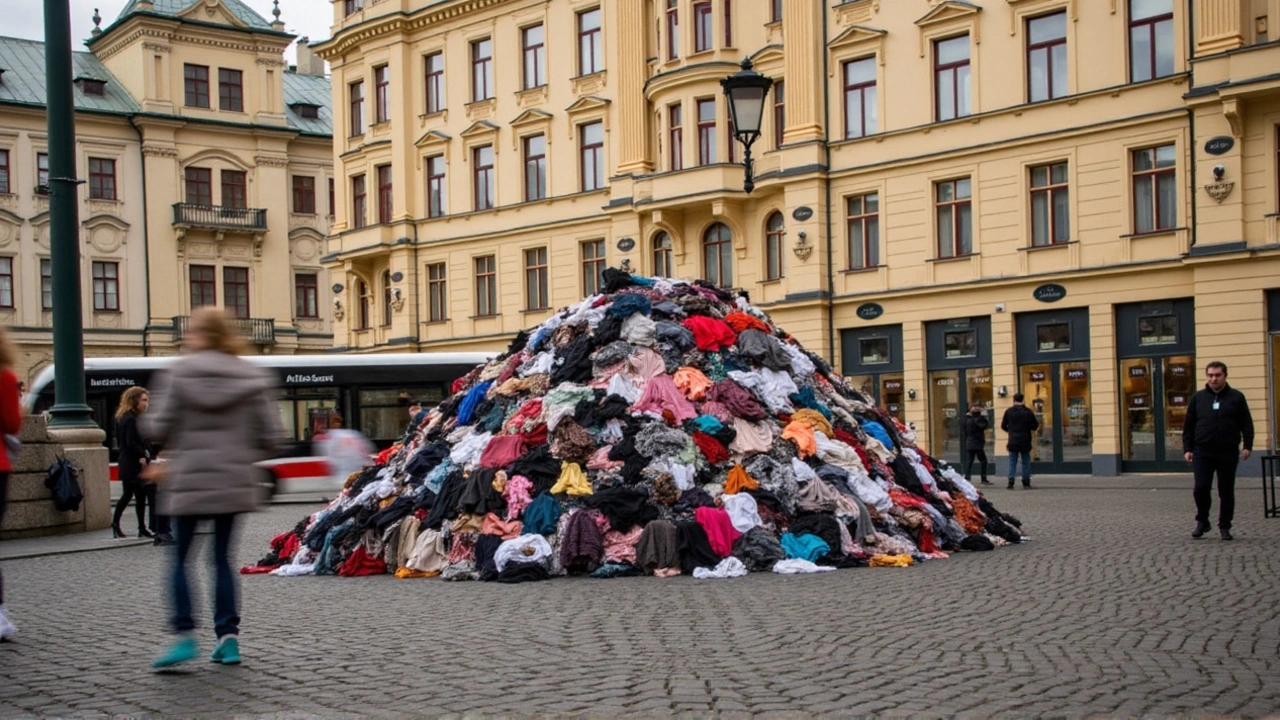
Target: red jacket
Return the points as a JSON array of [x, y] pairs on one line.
[[10, 412]]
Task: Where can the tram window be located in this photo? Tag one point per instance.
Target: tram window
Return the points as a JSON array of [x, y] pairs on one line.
[[384, 413]]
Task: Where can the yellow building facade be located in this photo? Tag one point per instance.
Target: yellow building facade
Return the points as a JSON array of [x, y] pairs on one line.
[[955, 201], [207, 164]]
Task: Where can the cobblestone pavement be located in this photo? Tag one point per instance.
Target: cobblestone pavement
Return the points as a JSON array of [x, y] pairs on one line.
[[1112, 609]]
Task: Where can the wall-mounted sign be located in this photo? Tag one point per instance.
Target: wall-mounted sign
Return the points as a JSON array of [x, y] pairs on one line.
[[802, 213], [337, 288], [1138, 371], [1036, 376], [1048, 293], [397, 276], [1220, 145], [626, 244], [1077, 374], [870, 311], [892, 384]]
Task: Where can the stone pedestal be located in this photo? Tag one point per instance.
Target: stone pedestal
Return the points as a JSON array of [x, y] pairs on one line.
[[31, 512]]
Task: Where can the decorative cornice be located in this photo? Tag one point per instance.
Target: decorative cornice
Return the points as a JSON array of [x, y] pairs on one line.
[[272, 62], [270, 161], [350, 38], [156, 47], [160, 151]]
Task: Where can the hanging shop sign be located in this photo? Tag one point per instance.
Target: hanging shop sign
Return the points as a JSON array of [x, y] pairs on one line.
[[870, 311], [1050, 292]]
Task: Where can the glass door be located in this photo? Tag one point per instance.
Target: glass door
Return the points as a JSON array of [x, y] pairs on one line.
[[944, 415], [1179, 385], [1155, 393], [1275, 390], [892, 396], [1037, 387], [980, 391], [1139, 434], [1074, 417]]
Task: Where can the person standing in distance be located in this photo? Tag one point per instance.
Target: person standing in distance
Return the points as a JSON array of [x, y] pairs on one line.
[[1019, 422], [1217, 420], [975, 441]]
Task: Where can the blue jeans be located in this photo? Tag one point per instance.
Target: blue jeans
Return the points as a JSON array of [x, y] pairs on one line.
[[226, 617], [1026, 465]]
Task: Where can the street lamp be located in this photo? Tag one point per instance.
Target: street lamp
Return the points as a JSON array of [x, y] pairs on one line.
[[746, 90]]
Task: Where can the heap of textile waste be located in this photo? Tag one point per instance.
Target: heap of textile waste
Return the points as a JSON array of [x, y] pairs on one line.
[[662, 428]]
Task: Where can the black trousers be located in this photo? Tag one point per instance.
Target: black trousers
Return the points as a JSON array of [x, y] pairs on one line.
[[981, 455], [136, 491], [1205, 463], [159, 523]]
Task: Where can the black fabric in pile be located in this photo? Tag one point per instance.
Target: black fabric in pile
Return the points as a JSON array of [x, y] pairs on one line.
[[624, 507], [694, 547]]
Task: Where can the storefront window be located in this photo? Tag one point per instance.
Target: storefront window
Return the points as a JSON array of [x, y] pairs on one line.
[[1053, 336], [1158, 330], [1076, 419], [891, 396], [945, 413], [874, 351], [979, 388], [960, 343], [866, 384], [1179, 385], [1140, 426]]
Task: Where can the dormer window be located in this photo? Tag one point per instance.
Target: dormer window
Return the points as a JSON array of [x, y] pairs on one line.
[[92, 86], [306, 110], [1, 76]]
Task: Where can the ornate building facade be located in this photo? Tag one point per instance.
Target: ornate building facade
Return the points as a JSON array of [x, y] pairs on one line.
[[955, 201]]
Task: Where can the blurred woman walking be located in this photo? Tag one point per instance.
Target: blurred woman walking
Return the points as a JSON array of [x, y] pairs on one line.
[[216, 416], [10, 424], [134, 455]]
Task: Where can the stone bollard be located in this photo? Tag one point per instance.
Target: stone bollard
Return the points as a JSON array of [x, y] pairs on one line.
[[31, 512]]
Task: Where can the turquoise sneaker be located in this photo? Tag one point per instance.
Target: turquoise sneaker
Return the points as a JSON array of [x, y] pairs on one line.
[[182, 650], [227, 652]]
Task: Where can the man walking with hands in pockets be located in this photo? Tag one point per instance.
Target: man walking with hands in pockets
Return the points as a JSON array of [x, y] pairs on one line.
[[1217, 420]]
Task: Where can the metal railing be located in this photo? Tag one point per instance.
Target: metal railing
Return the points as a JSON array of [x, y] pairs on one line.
[[259, 331], [219, 216]]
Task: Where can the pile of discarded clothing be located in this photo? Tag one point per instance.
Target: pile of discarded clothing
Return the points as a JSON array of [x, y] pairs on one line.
[[658, 428]]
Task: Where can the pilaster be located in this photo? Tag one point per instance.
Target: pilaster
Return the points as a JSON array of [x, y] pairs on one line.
[[633, 112], [802, 22], [1220, 25]]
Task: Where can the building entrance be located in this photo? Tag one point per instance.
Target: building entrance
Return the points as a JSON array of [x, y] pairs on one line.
[[958, 353], [1156, 343], [1053, 373], [872, 360]]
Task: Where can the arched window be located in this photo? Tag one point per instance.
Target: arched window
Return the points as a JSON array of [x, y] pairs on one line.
[[717, 255], [386, 297], [773, 247], [365, 298], [662, 261]]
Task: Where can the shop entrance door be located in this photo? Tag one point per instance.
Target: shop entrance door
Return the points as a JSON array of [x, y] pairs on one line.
[[951, 392], [1058, 393], [885, 390], [1154, 393]]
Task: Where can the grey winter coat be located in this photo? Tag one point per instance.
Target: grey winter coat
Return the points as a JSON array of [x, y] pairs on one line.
[[216, 416]]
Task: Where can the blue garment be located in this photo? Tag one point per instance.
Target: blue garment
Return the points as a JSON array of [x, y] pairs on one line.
[[435, 478], [806, 398], [474, 397], [542, 515], [612, 570], [643, 281], [226, 617], [708, 424], [804, 547], [1026, 465], [877, 431], [627, 304]]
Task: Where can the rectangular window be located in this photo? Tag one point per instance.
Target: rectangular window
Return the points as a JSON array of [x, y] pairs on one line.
[[775, 11], [481, 70], [864, 231], [436, 193], [235, 189], [773, 247], [860, 107], [102, 178], [590, 48], [954, 208], [235, 291], [195, 79], [673, 29], [433, 66], [381, 94], [230, 90], [779, 112], [333, 203], [306, 295], [1047, 57], [204, 287], [535, 167], [6, 282], [199, 183], [1053, 336], [1158, 330], [706, 132], [535, 56], [874, 351], [728, 23], [663, 260], [359, 203], [42, 171], [1150, 39], [106, 286], [732, 137], [356, 94], [482, 164], [702, 26], [1050, 205], [592, 267], [4, 172], [352, 6], [486, 286], [960, 343], [951, 78], [592, 139], [304, 195], [675, 113], [46, 284], [384, 193], [1155, 189], [535, 279], [437, 293]]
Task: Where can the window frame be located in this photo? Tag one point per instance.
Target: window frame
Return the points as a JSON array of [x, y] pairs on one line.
[[207, 286], [1050, 191], [675, 127], [191, 177], [359, 201], [386, 193], [306, 296], [433, 82], [6, 172], [535, 168], [304, 194], [481, 70], [593, 37], [954, 69], [355, 99], [46, 283], [234, 185], [774, 247], [102, 184], [195, 86], [1155, 174], [706, 132], [860, 89], [478, 171], [779, 113], [592, 266], [486, 278], [230, 93], [1153, 38], [535, 53], [381, 94], [726, 19], [536, 293], [703, 27], [662, 245], [6, 283], [591, 154], [364, 309], [869, 222], [42, 171], [722, 247], [673, 30], [437, 292], [1047, 46], [241, 282], [775, 11], [954, 207], [386, 298], [437, 188], [106, 286]]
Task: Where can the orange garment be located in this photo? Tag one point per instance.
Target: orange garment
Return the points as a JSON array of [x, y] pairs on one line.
[[405, 572], [802, 435], [813, 419], [494, 525], [692, 383], [968, 515], [739, 480], [891, 561], [740, 321]]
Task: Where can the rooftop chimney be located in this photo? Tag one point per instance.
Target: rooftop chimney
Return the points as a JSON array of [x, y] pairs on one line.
[[308, 62]]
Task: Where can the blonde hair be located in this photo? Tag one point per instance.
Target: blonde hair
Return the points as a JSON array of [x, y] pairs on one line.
[[219, 334], [129, 400], [8, 355]]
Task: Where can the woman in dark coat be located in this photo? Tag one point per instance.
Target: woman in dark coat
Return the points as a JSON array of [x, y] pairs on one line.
[[134, 455]]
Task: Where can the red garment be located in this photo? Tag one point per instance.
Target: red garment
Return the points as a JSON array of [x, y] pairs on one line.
[[847, 438], [10, 411], [661, 394], [361, 563], [278, 541], [902, 498], [536, 436], [720, 530], [291, 546], [385, 455], [711, 447], [502, 451], [740, 321], [256, 569], [709, 333]]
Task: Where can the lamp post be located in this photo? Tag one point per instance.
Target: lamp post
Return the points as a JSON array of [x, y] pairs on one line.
[[746, 91]]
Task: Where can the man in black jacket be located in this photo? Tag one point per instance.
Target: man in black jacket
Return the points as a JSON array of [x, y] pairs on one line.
[[1019, 422], [974, 427], [1217, 420]]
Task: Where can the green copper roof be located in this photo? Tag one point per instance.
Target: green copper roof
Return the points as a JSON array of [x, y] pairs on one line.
[[23, 80], [174, 7]]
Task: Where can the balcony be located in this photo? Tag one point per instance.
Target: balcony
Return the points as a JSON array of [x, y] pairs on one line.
[[220, 217], [259, 331]]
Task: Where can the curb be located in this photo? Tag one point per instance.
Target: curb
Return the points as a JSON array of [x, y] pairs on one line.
[[46, 552]]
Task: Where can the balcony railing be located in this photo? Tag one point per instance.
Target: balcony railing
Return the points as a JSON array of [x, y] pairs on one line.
[[219, 216], [259, 331]]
